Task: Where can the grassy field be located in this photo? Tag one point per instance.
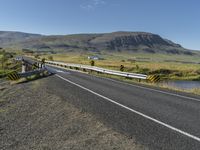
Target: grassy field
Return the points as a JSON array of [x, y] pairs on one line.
[[176, 67]]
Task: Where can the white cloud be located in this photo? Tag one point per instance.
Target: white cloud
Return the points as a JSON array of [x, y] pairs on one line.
[[92, 4], [98, 2]]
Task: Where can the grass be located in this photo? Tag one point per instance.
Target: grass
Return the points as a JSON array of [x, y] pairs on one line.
[[175, 67], [195, 91], [2, 111]]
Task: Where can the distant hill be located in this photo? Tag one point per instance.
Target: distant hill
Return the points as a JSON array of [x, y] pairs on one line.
[[10, 37], [116, 41]]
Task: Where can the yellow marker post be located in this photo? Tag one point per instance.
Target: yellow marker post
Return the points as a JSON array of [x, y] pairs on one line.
[[153, 78]]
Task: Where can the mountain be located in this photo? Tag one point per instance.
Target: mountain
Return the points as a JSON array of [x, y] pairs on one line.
[[10, 37], [133, 41], [116, 41]]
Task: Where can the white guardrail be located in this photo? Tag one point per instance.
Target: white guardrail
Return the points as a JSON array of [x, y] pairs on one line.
[[98, 69]]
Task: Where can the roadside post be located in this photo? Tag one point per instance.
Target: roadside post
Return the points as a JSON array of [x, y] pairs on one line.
[[23, 66], [43, 63]]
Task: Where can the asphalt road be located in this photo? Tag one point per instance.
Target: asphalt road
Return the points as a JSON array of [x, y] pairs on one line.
[[159, 119], [156, 118]]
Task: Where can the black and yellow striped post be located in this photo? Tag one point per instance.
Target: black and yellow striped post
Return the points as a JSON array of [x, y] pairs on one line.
[[13, 75], [35, 66], [153, 78], [43, 62]]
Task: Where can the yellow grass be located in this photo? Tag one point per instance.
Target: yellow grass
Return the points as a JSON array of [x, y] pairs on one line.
[[114, 62]]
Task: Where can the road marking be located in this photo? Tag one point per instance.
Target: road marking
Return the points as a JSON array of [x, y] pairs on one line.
[[59, 71], [134, 111]]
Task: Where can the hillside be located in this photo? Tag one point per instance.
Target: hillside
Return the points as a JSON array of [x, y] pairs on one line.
[[10, 37], [135, 41], [116, 41]]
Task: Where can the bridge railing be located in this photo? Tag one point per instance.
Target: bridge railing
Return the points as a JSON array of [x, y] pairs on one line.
[[98, 69]]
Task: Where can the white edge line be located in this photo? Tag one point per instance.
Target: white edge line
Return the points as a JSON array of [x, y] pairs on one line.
[[137, 112]]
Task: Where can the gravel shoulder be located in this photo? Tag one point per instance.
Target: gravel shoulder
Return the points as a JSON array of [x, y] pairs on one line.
[[32, 117]]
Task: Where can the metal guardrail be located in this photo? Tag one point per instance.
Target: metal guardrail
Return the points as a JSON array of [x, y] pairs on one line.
[[30, 73], [98, 69], [37, 69]]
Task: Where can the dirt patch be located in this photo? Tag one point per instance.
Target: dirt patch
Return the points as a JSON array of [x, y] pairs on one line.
[[31, 117]]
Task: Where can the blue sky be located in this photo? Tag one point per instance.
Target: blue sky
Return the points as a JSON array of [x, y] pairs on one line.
[[177, 20]]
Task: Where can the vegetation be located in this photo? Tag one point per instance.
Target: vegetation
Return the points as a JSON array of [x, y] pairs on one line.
[[50, 58], [27, 51], [37, 56], [43, 60]]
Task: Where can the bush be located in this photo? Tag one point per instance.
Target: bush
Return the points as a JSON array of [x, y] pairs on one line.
[[27, 51], [162, 71], [131, 60], [137, 67], [144, 70], [37, 56], [178, 74], [50, 58], [197, 71], [43, 60], [8, 55]]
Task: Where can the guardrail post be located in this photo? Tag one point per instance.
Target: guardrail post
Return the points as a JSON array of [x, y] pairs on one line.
[[23, 67], [40, 65]]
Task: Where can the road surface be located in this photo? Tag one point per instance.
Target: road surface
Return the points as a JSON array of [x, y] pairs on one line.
[[159, 119]]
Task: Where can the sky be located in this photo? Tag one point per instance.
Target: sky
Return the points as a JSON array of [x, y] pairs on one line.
[[177, 20]]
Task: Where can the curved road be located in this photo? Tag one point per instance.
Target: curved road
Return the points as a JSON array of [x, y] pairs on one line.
[[159, 119]]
